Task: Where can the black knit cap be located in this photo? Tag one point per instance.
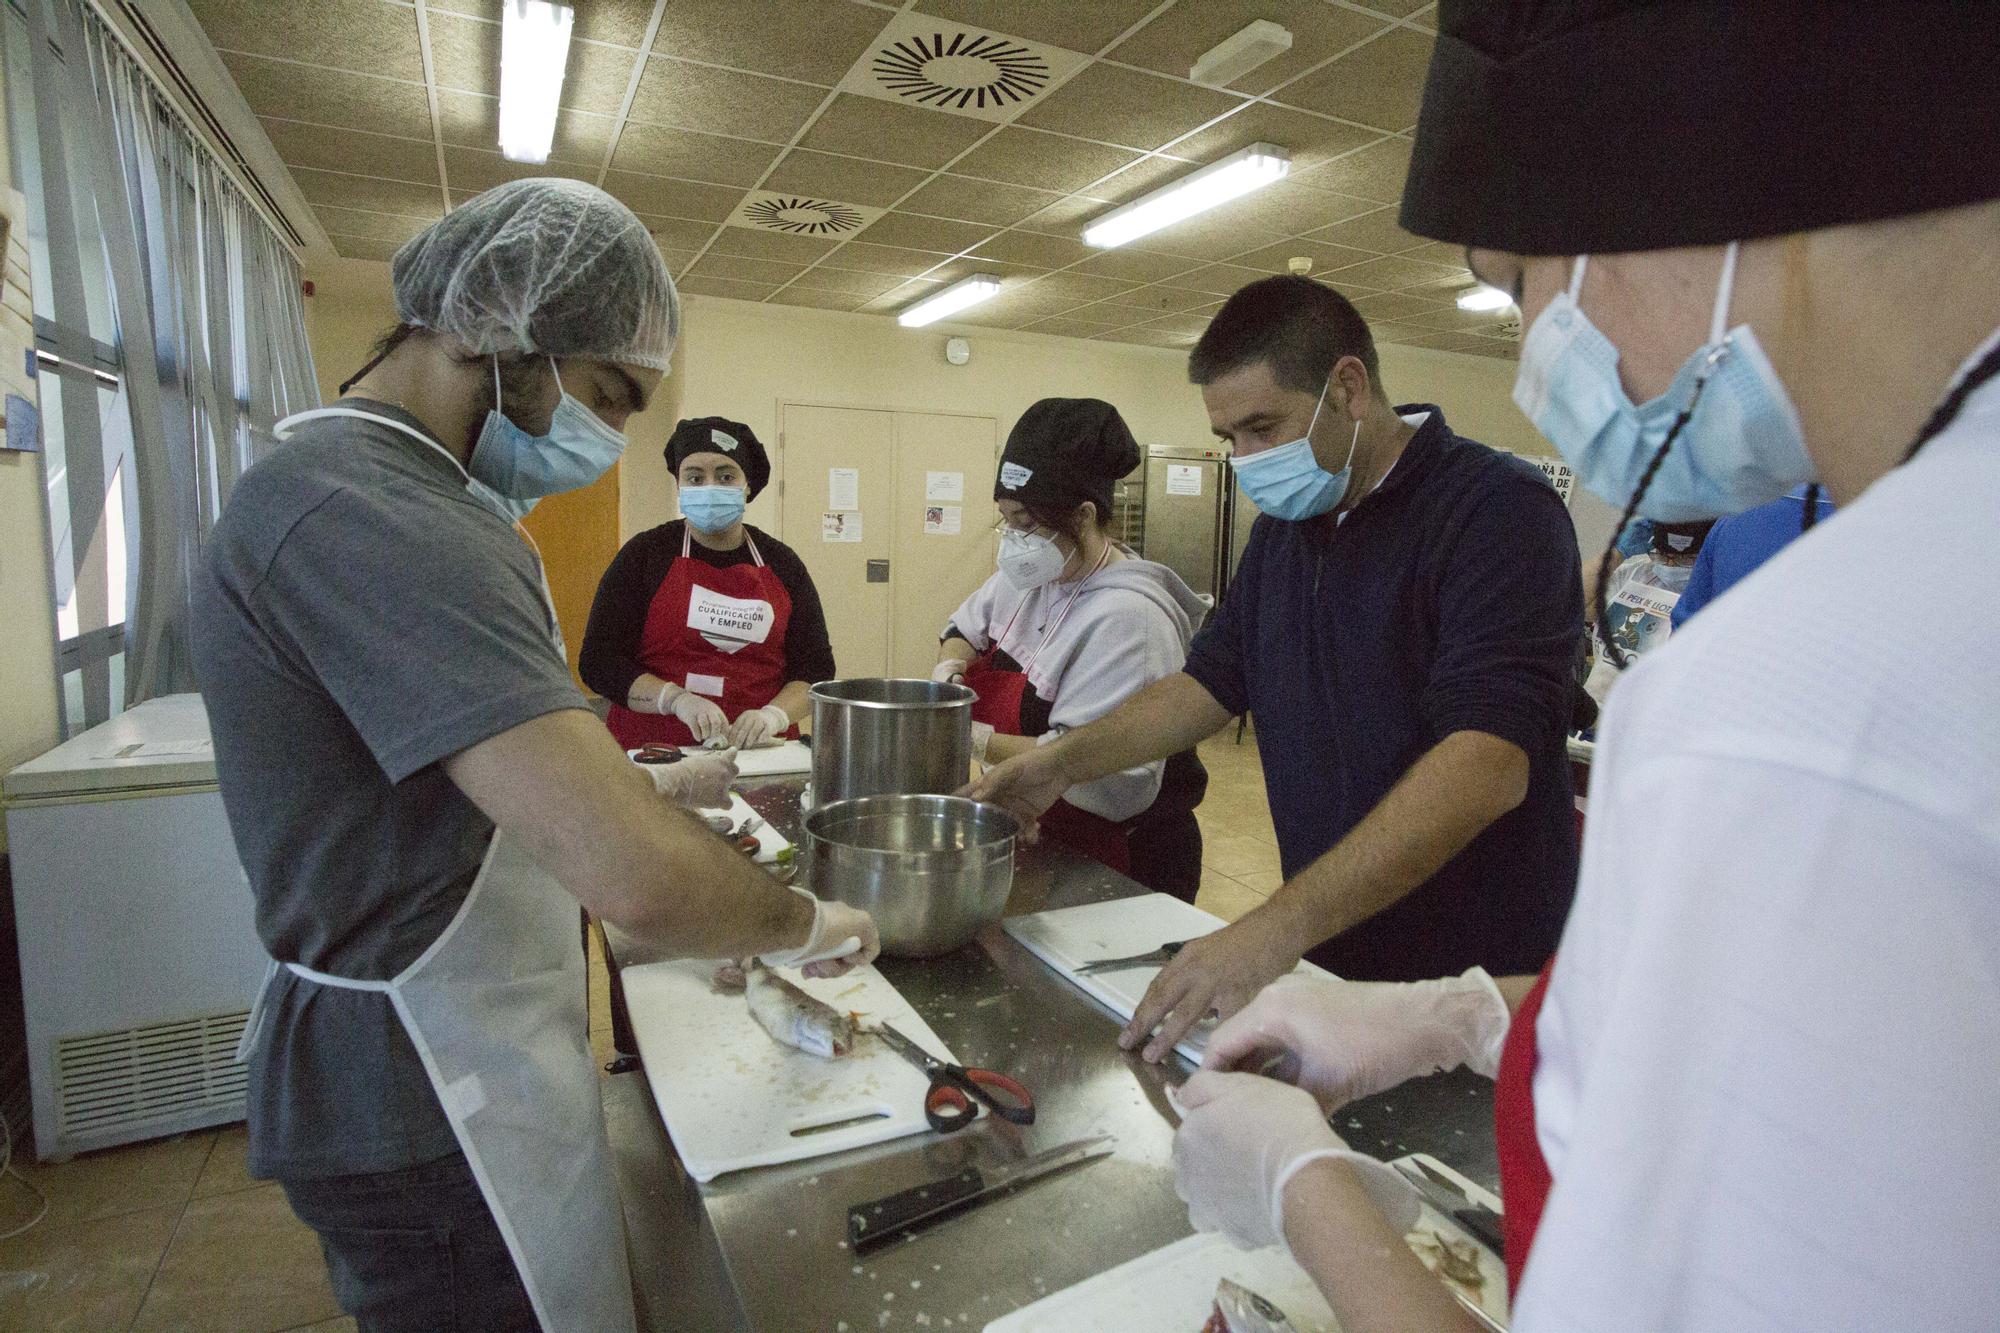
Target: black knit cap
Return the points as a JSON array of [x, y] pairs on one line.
[[1064, 451], [1560, 127], [719, 435]]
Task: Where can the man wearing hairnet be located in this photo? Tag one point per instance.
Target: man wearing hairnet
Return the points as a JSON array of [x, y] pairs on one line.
[[420, 797]]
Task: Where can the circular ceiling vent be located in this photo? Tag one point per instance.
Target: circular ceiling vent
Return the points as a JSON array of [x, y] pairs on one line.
[[802, 216], [961, 70]]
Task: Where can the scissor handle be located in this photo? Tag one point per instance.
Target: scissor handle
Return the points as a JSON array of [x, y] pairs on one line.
[[946, 1109], [948, 1106], [1003, 1096]]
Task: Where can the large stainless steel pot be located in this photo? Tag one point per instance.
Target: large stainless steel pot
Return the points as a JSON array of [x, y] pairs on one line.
[[931, 870], [874, 737]]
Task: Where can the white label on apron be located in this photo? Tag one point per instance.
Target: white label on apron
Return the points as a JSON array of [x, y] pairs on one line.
[[708, 685], [728, 623]]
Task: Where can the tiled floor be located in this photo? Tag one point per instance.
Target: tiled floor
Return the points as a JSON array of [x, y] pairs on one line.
[[175, 1235]]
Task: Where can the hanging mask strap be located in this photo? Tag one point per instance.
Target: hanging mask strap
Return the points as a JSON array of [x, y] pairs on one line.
[[390, 344], [1576, 277], [1725, 286]]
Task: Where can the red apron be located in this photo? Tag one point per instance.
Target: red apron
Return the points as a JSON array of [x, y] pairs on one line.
[[719, 633], [999, 707], [1524, 1173]]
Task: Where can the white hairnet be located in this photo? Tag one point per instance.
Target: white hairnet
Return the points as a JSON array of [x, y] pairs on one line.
[[542, 265]]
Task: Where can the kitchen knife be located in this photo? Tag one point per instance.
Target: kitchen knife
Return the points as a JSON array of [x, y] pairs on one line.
[[1443, 1194], [869, 1224]]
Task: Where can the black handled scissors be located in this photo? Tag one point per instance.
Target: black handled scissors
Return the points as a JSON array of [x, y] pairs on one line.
[[948, 1106]]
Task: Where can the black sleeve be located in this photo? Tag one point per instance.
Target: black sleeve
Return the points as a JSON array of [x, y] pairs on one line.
[[609, 658], [808, 649]]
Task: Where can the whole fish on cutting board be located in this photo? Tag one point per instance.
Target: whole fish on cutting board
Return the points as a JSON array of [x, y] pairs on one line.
[[792, 1017]]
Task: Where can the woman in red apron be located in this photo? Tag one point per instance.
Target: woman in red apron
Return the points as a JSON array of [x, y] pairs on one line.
[[707, 628], [1072, 624]]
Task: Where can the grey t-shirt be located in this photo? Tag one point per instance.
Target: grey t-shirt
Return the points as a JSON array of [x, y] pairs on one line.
[[360, 616]]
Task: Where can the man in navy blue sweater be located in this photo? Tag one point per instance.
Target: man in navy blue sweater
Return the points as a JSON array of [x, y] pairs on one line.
[[1403, 628]]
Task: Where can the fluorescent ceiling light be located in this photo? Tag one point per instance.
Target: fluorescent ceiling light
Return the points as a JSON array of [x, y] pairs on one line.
[[1233, 177], [534, 48], [950, 301], [1483, 297], [1230, 59]]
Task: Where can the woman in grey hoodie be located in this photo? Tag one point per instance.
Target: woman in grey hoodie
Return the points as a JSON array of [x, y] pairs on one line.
[[1069, 626]]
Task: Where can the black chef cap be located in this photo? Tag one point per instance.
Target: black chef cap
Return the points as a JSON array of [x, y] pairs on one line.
[[1064, 451], [1560, 127], [719, 435]]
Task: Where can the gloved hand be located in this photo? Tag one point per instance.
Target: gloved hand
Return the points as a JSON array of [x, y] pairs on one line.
[[982, 736], [842, 939], [1241, 1141], [949, 671], [698, 781], [756, 726], [1347, 1039], [703, 716]]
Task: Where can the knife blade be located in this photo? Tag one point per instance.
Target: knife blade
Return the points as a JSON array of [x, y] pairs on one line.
[[870, 1224], [1443, 1194]]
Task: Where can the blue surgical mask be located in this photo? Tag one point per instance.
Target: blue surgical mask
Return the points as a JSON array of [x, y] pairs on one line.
[[1287, 482], [521, 468], [712, 508], [1736, 436]]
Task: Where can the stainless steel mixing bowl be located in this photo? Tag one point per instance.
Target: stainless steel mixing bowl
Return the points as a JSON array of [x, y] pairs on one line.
[[931, 870]]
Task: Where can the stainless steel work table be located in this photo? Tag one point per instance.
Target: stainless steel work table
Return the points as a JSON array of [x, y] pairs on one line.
[[766, 1249]]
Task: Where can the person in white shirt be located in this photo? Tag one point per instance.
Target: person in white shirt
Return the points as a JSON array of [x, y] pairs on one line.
[[1759, 1085]]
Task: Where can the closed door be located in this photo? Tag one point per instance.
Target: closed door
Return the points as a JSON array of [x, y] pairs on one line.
[[944, 540], [1184, 518], [834, 511], [577, 535]]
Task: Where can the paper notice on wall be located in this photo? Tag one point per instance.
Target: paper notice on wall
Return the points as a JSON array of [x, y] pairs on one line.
[[942, 520], [946, 487], [1559, 475], [1183, 479], [843, 488], [840, 526]]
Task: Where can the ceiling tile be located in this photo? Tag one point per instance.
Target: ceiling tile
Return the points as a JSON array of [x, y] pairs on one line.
[[1389, 331], [898, 297], [741, 291], [915, 233], [377, 196], [815, 40], [723, 101], [331, 97], [1400, 8], [977, 200], [475, 169], [1425, 18], [1217, 279], [1450, 319], [691, 156], [1152, 302], [1375, 172], [365, 36], [887, 132], [1380, 84], [1135, 265], [352, 151], [363, 247], [1078, 288], [848, 179], [1123, 106], [712, 265], [1326, 258], [1281, 209], [470, 120], [1375, 231], [466, 55], [752, 244], [1395, 306], [954, 269], [1047, 161], [1390, 274], [1149, 338], [677, 262], [816, 299], [1188, 326], [1068, 214], [680, 199], [860, 285], [1078, 26], [1438, 252], [1066, 326], [1032, 247], [867, 258], [682, 233], [1312, 139], [622, 23], [390, 227], [1176, 39]]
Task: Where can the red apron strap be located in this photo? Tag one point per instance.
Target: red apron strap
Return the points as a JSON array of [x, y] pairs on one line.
[[1524, 1173]]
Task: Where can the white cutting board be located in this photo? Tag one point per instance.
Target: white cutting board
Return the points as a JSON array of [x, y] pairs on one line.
[[1068, 937], [732, 1097], [1174, 1286], [770, 842], [772, 760]]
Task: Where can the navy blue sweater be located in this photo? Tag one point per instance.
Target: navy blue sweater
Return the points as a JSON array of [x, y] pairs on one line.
[[1449, 600]]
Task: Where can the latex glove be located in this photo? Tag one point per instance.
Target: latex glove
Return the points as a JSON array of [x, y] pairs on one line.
[[949, 671], [703, 716], [842, 938], [982, 736], [1241, 1141], [698, 781], [1026, 785], [756, 726], [1347, 1039], [1220, 972]]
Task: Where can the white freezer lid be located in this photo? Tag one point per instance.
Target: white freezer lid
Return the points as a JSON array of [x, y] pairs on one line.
[[163, 742]]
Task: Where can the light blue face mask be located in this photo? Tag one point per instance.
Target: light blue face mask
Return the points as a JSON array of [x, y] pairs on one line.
[[712, 508], [518, 468], [1736, 436], [1287, 482]]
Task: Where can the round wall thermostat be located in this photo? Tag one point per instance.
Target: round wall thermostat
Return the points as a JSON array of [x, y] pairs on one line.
[[957, 351]]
